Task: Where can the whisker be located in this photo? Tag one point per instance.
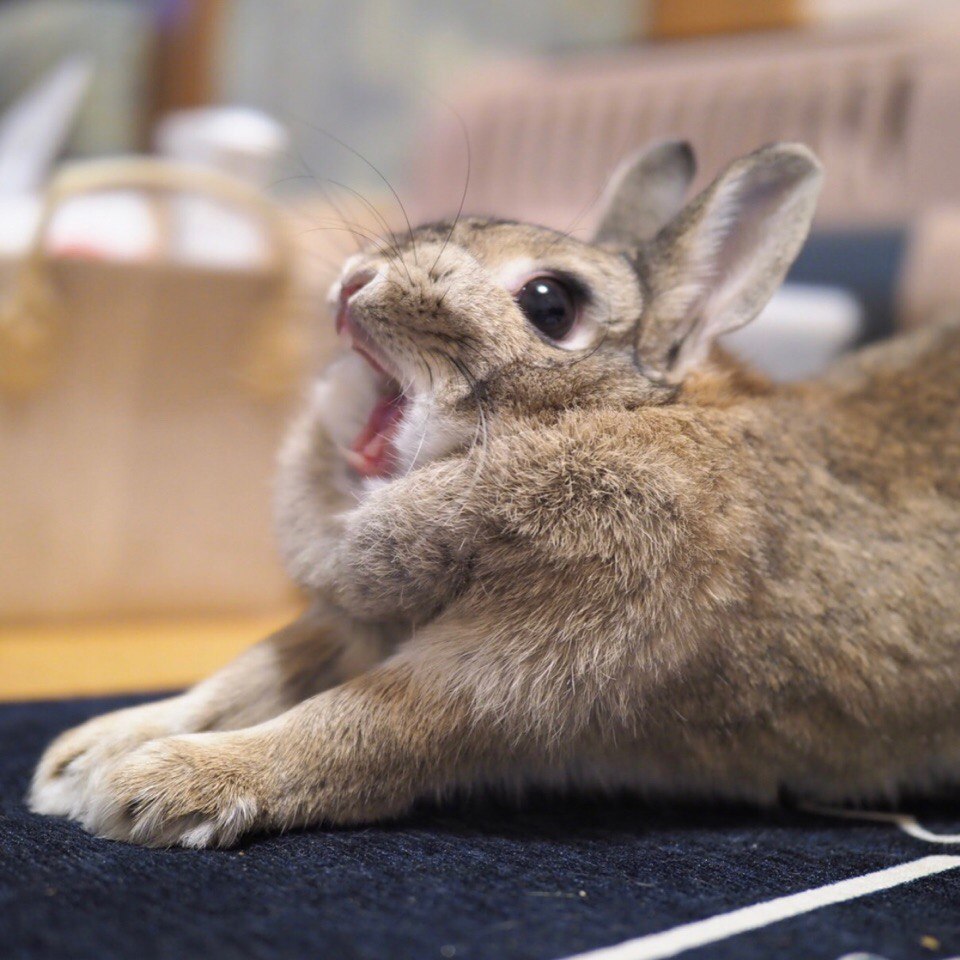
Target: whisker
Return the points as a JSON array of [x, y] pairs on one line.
[[332, 265], [303, 224], [577, 359], [293, 176], [426, 423], [363, 229], [356, 232], [354, 227], [481, 434], [565, 234], [376, 170], [466, 186], [308, 173], [388, 237]]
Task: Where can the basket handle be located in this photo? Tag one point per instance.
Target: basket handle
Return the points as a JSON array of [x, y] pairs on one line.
[[272, 357]]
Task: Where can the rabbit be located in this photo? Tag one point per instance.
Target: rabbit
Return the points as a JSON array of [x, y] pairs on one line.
[[554, 537]]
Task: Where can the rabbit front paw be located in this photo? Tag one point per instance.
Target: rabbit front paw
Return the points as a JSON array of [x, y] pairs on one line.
[[196, 790], [67, 766]]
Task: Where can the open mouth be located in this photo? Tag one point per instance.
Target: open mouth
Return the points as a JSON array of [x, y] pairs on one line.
[[373, 452]]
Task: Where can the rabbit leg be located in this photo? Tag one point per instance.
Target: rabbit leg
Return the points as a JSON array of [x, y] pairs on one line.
[[319, 650], [358, 753]]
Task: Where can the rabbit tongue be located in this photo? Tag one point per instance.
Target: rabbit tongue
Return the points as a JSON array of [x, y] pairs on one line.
[[373, 453]]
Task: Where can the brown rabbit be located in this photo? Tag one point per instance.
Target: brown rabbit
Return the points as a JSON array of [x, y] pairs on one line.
[[554, 537]]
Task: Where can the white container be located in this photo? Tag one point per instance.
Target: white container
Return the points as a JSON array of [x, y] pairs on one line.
[[799, 332], [243, 143]]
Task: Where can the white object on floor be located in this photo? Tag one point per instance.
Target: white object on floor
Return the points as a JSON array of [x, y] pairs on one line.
[[799, 332]]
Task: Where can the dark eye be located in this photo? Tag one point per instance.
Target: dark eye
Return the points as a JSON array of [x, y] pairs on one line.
[[549, 305]]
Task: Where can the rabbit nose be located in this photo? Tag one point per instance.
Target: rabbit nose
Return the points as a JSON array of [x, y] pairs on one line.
[[356, 281]]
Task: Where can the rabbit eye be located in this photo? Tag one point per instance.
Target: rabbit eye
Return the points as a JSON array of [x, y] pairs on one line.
[[549, 305]]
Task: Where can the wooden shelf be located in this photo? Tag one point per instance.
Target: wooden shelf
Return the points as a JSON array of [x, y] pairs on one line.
[[675, 19], [93, 659]]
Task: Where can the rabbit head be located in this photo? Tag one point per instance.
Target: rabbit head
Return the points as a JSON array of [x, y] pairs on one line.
[[456, 320]]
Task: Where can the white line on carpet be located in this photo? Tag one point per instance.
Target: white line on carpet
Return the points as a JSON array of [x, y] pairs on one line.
[[671, 942]]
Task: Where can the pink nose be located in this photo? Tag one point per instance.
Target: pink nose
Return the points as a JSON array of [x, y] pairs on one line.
[[356, 281]]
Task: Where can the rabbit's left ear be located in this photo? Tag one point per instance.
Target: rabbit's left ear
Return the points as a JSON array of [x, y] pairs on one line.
[[645, 192], [714, 267]]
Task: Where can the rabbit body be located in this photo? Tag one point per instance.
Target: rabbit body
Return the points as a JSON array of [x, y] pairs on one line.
[[767, 577], [587, 549]]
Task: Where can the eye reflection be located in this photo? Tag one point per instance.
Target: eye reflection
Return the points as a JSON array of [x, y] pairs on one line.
[[549, 305]]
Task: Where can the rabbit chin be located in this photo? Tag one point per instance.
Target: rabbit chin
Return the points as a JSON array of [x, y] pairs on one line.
[[381, 431]]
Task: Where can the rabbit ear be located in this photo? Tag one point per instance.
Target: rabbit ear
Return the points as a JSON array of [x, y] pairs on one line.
[[714, 267], [645, 192]]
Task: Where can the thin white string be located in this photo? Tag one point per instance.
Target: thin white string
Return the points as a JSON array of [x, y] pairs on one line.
[[907, 823]]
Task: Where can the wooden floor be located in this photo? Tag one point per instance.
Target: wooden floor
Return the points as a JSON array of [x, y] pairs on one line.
[[103, 658]]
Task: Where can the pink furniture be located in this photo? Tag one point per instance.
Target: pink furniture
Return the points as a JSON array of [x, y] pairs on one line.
[[883, 111]]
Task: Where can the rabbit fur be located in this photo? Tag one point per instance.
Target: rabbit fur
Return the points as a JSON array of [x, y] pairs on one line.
[[617, 560]]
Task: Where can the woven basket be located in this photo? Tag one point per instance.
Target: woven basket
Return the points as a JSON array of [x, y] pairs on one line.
[[141, 405]]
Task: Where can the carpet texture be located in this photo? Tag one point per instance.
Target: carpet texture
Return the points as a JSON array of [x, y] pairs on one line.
[[479, 881]]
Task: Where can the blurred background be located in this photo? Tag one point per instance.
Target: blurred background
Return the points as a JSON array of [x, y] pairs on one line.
[[180, 179]]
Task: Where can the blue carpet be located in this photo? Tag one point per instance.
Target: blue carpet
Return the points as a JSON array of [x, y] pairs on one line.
[[480, 881]]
